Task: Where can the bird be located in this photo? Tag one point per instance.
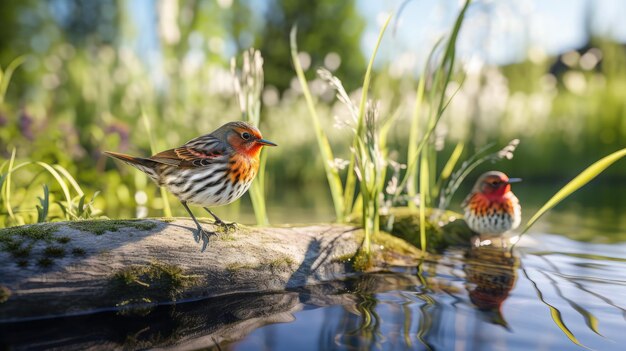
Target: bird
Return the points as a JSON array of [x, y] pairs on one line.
[[491, 209], [211, 170]]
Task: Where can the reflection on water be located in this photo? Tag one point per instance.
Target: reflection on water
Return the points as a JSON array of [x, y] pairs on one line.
[[552, 294], [491, 273], [555, 293]]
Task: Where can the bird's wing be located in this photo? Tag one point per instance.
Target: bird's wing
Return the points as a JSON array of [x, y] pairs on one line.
[[189, 157]]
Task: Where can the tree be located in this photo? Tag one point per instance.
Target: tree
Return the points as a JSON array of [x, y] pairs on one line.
[[324, 26]]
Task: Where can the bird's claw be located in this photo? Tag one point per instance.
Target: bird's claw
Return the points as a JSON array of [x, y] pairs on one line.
[[226, 227], [204, 235]]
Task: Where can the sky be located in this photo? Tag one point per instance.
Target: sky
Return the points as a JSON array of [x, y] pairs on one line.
[[495, 31]]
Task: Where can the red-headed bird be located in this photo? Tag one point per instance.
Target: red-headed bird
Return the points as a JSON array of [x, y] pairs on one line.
[[211, 170], [491, 209]]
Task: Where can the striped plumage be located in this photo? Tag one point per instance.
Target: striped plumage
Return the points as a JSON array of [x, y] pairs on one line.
[[211, 170], [491, 209]]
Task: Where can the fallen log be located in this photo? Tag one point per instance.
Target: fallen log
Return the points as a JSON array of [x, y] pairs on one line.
[[72, 268]]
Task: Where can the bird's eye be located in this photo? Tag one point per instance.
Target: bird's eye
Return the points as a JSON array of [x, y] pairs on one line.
[[245, 135]]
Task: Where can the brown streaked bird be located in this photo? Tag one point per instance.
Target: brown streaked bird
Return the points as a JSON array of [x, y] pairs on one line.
[[491, 209], [211, 170]]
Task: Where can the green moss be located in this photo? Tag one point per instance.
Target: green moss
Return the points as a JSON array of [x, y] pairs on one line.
[[384, 247], [33, 232], [5, 293], [99, 227], [154, 282], [443, 228], [167, 220], [45, 262], [19, 241], [362, 261], [278, 263], [54, 252], [78, 252], [384, 241], [63, 239]]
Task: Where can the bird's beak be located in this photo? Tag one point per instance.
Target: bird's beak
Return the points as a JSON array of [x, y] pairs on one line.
[[265, 142], [514, 180]]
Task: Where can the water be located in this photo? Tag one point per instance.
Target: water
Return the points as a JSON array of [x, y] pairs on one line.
[[556, 292]]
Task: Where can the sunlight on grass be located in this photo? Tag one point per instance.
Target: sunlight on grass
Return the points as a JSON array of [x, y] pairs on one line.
[[578, 182], [167, 210]]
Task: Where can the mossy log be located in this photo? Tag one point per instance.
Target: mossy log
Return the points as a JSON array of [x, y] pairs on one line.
[[69, 268], [443, 228]]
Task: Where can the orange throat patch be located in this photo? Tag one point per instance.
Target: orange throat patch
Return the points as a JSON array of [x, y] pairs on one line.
[[242, 168]]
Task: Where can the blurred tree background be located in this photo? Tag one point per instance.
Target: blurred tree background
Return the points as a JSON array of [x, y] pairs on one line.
[[93, 67]]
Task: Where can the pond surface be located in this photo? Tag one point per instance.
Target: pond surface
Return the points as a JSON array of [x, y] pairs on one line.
[[556, 292]]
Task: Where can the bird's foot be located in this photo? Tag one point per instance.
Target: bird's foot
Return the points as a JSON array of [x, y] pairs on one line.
[[204, 235], [225, 227]]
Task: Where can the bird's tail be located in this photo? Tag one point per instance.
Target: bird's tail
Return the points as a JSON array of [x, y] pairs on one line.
[[143, 164]]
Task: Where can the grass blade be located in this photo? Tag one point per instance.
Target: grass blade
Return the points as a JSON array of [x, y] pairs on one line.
[[5, 77], [446, 66], [167, 211], [59, 179], [423, 179], [350, 185], [446, 172], [42, 211], [413, 133], [7, 196], [554, 312], [70, 179], [332, 175], [578, 182]]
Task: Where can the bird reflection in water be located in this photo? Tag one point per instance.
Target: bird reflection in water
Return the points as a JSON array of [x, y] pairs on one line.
[[491, 273]]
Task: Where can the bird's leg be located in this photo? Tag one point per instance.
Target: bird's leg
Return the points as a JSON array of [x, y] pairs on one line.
[[219, 222], [201, 232]]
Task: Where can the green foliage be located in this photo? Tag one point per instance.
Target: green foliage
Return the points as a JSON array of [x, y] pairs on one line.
[[332, 174], [5, 76], [367, 157], [248, 88], [74, 206], [575, 184], [42, 211], [327, 27], [83, 92], [167, 212]]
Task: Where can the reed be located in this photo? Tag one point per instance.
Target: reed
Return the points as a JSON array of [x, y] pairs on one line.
[[332, 173], [167, 210], [248, 86]]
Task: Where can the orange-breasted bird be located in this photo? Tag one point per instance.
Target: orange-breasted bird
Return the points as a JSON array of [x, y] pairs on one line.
[[491, 209], [211, 170]]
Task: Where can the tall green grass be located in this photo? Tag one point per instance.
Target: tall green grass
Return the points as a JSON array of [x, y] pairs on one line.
[[574, 185], [367, 160], [421, 156], [332, 173], [21, 207], [248, 89], [167, 210]]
